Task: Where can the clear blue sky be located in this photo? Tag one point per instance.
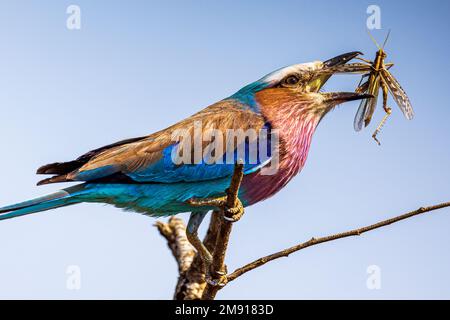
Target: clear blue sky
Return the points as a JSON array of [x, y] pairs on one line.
[[138, 67]]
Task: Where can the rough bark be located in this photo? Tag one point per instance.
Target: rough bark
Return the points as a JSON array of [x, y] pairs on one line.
[[191, 280]]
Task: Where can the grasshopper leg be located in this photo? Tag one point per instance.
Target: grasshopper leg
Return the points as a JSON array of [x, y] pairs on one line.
[[365, 60], [362, 87], [386, 109]]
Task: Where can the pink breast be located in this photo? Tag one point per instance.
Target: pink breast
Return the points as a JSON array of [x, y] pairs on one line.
[[295, 142]]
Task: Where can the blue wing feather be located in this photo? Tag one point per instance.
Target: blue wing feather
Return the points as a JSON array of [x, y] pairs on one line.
[[166, 171], [149, 160]]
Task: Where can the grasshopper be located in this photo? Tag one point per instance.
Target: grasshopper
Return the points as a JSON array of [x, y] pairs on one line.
[[378, 76]]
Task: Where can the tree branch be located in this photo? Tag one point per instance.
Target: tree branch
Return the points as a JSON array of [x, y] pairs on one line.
[[191, 281], [175, 233], [218, 268], [189, 285], [314, 241]]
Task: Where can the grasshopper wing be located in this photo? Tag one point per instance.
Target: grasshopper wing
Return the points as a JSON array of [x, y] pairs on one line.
[[398, 94], [367, 106]]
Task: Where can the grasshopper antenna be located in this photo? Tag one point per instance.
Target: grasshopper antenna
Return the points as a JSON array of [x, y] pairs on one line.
[[373, 39], [387, 37]]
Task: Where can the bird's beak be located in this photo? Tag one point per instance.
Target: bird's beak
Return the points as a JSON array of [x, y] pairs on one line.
[[341, 59], [326, 70], [335, 98]]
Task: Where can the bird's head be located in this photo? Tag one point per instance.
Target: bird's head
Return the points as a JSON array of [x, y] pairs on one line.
[[291, 105], [291, 81]]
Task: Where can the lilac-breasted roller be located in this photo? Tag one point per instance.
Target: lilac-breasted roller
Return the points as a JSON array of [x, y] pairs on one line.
[[140, 175]]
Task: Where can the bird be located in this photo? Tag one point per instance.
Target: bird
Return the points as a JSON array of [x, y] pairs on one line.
[[140, 174]]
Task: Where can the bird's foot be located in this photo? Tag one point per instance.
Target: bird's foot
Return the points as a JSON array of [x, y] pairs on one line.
[[235, 213], [232, 214], [219, 279]]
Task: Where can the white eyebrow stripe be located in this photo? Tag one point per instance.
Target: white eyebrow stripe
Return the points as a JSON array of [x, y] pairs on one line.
[[279, 74]]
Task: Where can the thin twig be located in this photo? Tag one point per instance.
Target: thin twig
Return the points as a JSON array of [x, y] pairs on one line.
[[220, 250], [233, 190], [191, 284], [314, 241]]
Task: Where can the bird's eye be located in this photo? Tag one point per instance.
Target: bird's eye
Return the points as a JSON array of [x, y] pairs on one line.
[[291, 80]]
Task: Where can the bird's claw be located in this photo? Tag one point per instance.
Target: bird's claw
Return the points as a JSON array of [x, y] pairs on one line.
[[221, 273], [234, 214], [215, 282], [219, 281]]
